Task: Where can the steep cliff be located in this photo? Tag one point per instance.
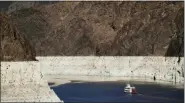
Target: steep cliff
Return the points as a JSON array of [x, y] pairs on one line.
[[14, 45], [104, 28], [176, 46]]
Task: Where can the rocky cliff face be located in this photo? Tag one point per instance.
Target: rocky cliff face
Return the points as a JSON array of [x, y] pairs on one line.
[[104, 28], [14, 46], [176, 46]]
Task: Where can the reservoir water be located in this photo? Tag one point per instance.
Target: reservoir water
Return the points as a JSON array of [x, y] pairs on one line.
[[77, 91]]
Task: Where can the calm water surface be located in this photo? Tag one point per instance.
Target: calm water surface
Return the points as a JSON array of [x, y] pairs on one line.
[[114, 92]]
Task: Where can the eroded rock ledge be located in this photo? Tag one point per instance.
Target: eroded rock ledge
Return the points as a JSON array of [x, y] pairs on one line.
[[168, 69], [23, 82]]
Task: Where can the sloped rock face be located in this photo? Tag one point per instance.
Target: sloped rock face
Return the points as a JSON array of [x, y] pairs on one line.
[[24, 82], [176, 46], [102, 28], [14, 46]]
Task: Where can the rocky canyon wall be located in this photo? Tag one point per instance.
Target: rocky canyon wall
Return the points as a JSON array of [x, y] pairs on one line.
[[104, 28]]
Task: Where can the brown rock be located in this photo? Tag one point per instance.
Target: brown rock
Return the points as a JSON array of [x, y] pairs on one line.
[[176, 47], [14, 46], [101, 28]]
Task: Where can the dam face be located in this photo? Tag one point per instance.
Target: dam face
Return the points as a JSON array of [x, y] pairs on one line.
[[23, 82]]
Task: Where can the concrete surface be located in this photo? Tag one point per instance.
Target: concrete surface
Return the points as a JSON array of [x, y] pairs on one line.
[[23, 82]]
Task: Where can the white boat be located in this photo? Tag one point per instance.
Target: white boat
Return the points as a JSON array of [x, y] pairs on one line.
[[130, 89]]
